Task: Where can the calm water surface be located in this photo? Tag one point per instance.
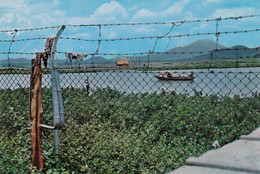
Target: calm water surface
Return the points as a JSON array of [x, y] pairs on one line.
[[236, 81]]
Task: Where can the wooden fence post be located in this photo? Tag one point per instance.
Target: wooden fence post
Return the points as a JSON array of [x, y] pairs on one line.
[[35, 111]]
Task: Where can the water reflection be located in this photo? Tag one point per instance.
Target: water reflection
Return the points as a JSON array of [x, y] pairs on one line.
[[241, 81]]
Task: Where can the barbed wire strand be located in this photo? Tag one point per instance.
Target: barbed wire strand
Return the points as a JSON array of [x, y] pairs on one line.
[[98, 46], [138, 38], [144, 53], [134, 23], [28, 39], [160, 37], [168, 44], [171, 36], [174, 52], [217, 33], [9, 49], [30, 29], [164, 23]]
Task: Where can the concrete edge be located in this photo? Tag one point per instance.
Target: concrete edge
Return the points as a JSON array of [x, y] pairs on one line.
[[192, 161], [249, 138]]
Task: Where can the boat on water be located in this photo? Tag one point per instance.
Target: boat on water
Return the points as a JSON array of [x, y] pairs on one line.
[[169, 76]]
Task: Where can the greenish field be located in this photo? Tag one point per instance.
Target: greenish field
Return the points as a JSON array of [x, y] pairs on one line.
[[241, 63], [114, 132]]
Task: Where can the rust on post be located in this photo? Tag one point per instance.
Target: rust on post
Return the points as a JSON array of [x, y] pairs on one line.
[[35, 111]]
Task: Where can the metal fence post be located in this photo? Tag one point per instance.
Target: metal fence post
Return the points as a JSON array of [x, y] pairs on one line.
[[58, 115]]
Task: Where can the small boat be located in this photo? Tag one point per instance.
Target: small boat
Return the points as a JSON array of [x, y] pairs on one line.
[[169, 76]]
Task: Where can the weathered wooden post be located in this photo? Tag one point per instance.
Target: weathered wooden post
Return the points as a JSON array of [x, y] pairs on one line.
[[35, 111], [35, 98]]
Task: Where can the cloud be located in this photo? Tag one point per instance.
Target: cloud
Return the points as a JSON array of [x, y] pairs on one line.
[[199, 28], [24, 13], [234, 12], [176, 8], [112, 8], [214, 1], [13, 11], [133, 8], [82, 35], [144, 30], [112, 35], [106, 13], [7, 18], [14, 4]]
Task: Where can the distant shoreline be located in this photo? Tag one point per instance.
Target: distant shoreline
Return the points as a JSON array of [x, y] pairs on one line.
[[142, 66]]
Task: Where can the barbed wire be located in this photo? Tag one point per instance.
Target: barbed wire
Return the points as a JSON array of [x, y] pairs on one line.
[[217, 33], [164, 23], [27, 39], [16, 52], [133, 23], [162, 36], [30, 29], [171, 36], [174, 52], [136, 38], [98, 46], [14, 34], [144, 53]]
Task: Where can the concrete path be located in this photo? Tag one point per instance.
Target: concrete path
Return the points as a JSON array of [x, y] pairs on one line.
[[239, 157]]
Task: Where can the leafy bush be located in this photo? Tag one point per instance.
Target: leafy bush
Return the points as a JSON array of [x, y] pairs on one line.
[[115, 132]]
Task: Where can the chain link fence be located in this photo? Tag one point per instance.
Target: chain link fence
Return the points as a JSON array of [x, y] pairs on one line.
[[127, 121]]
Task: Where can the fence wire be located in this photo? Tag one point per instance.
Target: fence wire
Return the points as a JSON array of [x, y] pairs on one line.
[[125, 119], [128, 121]]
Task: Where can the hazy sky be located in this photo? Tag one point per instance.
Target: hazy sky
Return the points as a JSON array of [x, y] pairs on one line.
[[38, 13]]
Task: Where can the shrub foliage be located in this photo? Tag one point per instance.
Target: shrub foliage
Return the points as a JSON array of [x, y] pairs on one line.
[[114, 132]]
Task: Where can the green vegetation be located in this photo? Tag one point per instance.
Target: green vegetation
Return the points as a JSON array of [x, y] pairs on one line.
[[241, 63], [114, 132], [26, 70], [81, 70], [12, 70]]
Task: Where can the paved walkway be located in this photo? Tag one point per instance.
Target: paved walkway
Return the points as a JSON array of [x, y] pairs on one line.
[[239, 157]]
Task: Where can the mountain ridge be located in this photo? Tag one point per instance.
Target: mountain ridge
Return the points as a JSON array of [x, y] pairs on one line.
[[202, 45], [198, 46]]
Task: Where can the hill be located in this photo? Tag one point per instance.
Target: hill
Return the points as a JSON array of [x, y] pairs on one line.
[[27, 62], [16, 61], [174, 54], [98, 60], [196, 46], [203, 45], [227, 54]]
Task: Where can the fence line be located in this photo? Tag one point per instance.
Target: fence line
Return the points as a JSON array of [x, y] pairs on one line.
[[217, 33], [127, 120], [144, 53], [135, 23], [169, 22], [152, 37]]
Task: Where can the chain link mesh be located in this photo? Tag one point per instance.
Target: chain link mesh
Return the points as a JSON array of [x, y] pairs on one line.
[[127, 121]]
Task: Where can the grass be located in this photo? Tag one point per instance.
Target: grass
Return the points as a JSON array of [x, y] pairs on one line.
[[241, 63], [114, 132]]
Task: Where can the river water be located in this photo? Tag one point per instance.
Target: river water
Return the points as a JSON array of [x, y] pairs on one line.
[[227, 82]]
